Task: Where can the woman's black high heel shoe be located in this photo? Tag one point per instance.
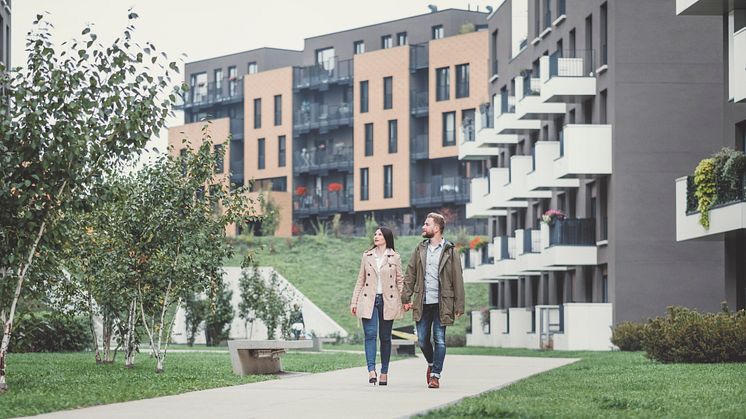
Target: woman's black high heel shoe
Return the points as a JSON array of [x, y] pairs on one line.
[[383, 383], [372, 379]]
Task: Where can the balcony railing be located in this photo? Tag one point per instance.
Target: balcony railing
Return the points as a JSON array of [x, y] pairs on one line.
[[487, 116], [322, 117], [236, 126], [578, 63], [531, 86], [726, 193], [322, 75], [225, 90], [439, 189], [419, 147], [305, 161], [467, 132], [573, 232], [507, 103], [486, 258], [418, 57], [418, 102], [324, 202]]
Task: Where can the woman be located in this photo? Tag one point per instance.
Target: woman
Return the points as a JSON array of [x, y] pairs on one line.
[[377, 299]]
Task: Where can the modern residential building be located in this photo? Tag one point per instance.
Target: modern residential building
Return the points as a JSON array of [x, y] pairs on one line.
[[5, 32], [727, 229], [594, 107], [361, 121]]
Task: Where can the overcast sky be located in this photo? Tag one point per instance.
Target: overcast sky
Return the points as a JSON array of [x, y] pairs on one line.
[[203, 29]]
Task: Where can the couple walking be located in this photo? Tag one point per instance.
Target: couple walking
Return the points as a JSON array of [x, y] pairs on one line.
[[432, 287]]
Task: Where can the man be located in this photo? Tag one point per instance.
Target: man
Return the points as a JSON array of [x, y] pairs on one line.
[[434, 290]]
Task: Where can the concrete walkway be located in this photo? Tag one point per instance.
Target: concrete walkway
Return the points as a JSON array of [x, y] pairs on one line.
[[343, 393]]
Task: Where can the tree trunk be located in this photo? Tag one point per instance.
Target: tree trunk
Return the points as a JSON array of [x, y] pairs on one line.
[[106, 341], [129, 348], [93, 333]]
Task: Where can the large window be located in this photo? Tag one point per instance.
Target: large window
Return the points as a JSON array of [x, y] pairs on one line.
[[369, 139], [401, 38], [437, 32], [252, 68], [442, 84], [218, 82], [219, 161], [462, 80], [449, 128], [325, 58], [257, 113], [278, 110], [260, 153], [393, 136], [359, 47], [388, 92], [388, 182], [386, 42], [364, 96], [364, 184], [199, 87], [281, 151]]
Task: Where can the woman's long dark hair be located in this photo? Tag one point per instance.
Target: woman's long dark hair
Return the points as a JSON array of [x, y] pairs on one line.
[[388, 235]]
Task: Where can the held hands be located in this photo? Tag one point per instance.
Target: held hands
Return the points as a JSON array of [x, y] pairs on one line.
[[353, 310], [458, 314], [407, 306]]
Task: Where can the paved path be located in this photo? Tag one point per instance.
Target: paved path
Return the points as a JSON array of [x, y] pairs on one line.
[[341, 393]]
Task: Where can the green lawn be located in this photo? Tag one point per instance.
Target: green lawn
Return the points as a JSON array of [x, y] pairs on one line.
[[610, 385], [47, 382], [325, 270]]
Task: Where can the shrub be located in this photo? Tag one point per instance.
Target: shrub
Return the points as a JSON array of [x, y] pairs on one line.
[[50, 332], [628, 336], [455, 341], [685, 335]]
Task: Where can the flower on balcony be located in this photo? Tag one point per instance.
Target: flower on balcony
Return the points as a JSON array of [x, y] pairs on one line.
[[300, 190], [334, 187], [477, 243], [551, 215]]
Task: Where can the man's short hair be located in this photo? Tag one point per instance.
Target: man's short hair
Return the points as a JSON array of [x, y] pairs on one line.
[[438, 220]]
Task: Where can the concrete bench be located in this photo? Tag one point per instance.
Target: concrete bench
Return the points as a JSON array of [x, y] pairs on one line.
[[402, 347], [261, 356]]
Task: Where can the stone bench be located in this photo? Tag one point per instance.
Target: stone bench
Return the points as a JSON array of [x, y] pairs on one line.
[[261, 356], [402, 347]]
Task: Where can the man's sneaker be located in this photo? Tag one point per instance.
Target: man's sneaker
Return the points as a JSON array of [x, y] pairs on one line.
[[434, 382], [427, 374]]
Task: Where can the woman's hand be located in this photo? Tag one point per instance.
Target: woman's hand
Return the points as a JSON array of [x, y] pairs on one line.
[[407, 306]]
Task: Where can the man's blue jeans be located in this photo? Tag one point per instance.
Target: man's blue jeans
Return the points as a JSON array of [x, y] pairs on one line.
[[429, 327], [383, 327]]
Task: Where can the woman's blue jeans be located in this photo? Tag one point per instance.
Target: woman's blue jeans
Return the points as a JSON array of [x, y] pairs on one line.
[[377, 325]]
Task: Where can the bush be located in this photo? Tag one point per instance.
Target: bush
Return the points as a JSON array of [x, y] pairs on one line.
[[455, 341], [628, 336], [50, 332], [685, 335]]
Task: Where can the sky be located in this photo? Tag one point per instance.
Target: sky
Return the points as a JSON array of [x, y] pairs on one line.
[[203, 29]]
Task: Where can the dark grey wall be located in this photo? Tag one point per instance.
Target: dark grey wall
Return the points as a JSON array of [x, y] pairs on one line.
[[266, 59]]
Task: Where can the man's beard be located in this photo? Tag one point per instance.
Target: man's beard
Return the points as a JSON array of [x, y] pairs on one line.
[[427, 235]]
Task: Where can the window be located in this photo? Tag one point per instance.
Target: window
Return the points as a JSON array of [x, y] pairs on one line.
[[494, 52], [537, 17], [401, 38], [278, 110], [364, 96], [388, 87], [449, 128], [199, 87], [364, 184], [359, 47], [232, 81], [388, 182], [462, 80], [393, 135], [325, 58], [219, 163], [602, 117], [260, 154], [252, 68], [386, 42], [604, 34], [369, 139], [437, 32], [257, 113], [547, 13], [281, 151], [442, 84], [218, 82]]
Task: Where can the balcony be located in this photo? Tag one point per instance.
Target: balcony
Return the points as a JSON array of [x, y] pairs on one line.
[[569, 242], [468, 148], [517, 187], [567, 76], [216, 92], [418, 103], [315, 116], [702, 7], [506, 251], [584, 150], [728, 212], [486, 134], [542, 176], [497, 197], [479, 205], [418, 56], [321, 76], [320, 161], [322, 203], [418, 147], [236, 127], [440, 190], [529, 260], [529, 104], [508, 122]]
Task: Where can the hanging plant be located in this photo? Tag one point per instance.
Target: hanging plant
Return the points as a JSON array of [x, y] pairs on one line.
[[706, 189], [334, 187], [300, 190]]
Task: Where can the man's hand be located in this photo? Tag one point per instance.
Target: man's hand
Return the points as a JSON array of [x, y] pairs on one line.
[[458, 314], [407, 306], [353, 310]]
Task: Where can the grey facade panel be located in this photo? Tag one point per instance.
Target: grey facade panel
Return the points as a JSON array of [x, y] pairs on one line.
[[266, 59]]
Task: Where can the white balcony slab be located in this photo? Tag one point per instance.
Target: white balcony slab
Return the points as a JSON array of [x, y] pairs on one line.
[[479, 205], [517, 188], [738, 67], [488, 135], [722, 219], [701, 7], [531, 107], [543, 176], [496, 198], [586, 151], [509, 123], [587, 327], [471, 150], [568, 85]]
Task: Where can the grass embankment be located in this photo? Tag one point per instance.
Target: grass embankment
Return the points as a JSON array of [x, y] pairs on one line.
[[610, 385], [325, 271], [47, 382]]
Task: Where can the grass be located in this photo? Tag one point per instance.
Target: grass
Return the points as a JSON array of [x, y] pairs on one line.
[[325, 271], [47, 382], [610, 385]]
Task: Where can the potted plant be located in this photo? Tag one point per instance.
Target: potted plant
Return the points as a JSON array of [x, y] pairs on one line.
[[300, 190], [334, 187], [550, 216]]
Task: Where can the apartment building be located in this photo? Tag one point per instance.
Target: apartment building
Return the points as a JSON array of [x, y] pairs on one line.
[[727, 228], [362, 121], [5, 32], [593, 106]]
